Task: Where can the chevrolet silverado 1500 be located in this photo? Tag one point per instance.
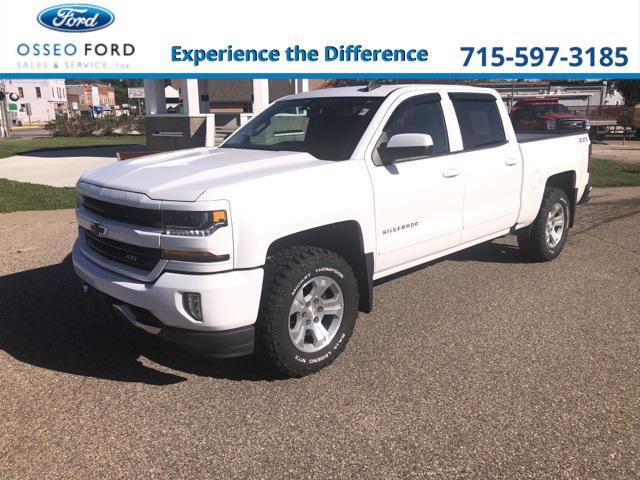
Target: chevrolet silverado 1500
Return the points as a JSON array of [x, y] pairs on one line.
[[270, 244]]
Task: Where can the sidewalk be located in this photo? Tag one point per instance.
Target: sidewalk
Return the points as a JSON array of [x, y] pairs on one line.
[[29, 131], [59, 168]]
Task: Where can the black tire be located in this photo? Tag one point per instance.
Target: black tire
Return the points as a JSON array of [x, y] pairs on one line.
[[533, 239], [286, 273]]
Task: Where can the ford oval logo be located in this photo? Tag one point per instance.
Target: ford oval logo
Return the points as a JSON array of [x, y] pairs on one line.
[[75, 17]]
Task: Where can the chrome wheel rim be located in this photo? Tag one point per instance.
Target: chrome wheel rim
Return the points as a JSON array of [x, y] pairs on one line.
[[316, 314], [555, 225]]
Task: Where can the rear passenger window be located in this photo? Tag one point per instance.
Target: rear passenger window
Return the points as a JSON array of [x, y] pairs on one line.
[[479, 119], [421, 114]]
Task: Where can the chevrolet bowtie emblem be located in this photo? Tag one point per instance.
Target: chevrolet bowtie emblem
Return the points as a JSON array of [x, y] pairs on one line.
[[98, 230]]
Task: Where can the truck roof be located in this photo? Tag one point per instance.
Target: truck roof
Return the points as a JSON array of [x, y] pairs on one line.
[[383, 90]]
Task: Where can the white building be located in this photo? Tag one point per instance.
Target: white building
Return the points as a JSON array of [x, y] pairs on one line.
[[39, 101]]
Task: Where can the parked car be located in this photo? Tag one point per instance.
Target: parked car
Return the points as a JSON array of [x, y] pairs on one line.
[[546, 114], [270, 244]]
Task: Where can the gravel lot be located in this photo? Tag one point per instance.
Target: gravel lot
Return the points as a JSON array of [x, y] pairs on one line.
[[477, 366], [617, 151]]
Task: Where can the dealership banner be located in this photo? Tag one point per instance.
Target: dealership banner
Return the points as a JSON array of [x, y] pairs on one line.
[[332, 38]]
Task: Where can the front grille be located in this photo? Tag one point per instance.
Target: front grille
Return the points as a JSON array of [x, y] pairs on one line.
[[144, 258], [137, 216], [572, 124]]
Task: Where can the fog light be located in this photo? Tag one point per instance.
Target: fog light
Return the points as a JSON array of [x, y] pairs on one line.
[[193, 305]]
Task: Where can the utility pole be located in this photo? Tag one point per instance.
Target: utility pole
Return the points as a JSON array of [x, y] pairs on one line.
[[4, 115], [513, 88], [3, 132]]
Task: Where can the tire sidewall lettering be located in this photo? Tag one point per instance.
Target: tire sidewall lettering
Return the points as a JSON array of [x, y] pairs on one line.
[[329, 270], [332, 348], [299, 284]]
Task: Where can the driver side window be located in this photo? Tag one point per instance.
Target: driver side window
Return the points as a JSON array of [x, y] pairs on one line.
[[421, 114]]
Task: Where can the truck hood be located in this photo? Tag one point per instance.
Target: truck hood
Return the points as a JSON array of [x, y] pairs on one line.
[[185, 175], [562, 116]]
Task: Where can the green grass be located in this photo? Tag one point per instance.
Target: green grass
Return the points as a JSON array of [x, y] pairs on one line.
[[19, 196], [14, 146], [605, 173]]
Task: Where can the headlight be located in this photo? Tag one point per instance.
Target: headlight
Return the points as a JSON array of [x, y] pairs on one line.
[[551, 124], [79, 199], [192, 224]]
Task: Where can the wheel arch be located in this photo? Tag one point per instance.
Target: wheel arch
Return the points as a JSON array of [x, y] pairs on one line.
[[345, 238]]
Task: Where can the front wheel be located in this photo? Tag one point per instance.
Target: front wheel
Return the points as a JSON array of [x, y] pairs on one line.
[[544, 239], [308, 310]]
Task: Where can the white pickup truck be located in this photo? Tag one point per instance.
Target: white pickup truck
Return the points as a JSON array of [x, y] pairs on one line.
[[270, 244]]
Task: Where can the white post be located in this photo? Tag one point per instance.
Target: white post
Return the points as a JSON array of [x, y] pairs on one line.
[[260, 94], [154, 99], [302, 85], [190, 96], [210, 130]]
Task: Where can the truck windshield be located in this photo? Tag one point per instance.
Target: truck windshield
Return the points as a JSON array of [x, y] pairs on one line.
[[550, 108], [327, 128]]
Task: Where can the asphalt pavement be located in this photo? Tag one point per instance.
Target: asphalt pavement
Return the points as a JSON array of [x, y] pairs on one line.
[[29, 132], [476, 366]]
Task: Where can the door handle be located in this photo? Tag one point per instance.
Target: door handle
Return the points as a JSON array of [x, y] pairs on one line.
[[451, 172], [511, 161]]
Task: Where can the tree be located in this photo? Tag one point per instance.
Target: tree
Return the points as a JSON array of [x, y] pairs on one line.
[[343, 82], [630, 90], [121, 93]]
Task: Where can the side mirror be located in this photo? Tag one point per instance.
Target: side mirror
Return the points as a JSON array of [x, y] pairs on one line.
[[407, 145]]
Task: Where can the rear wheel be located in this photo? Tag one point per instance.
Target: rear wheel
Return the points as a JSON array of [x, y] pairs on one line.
[[544, 239], [308, 310]]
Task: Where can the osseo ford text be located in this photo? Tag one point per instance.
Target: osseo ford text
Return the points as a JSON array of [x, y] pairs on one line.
[[71, 49]]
